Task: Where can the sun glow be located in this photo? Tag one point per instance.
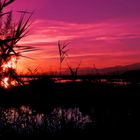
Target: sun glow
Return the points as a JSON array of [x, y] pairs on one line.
[[11, 64], [4, 82], [7, 68]]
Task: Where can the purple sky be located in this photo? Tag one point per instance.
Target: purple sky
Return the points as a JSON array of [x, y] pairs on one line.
[[98, 30], [82, 11]]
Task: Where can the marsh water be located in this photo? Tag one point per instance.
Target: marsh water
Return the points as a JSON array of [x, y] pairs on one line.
[[63, 80], [25, 120]]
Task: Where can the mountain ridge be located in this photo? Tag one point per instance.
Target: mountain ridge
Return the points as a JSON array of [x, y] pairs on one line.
[[118, 69]]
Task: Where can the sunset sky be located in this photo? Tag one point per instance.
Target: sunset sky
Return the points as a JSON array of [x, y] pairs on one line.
[[100, 32]]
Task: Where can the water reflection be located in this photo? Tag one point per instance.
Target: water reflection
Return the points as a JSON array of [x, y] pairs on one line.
[[27, 120], [27, 80]]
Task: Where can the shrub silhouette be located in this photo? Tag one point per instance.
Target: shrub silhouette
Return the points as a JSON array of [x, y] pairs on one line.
[[10, 34]]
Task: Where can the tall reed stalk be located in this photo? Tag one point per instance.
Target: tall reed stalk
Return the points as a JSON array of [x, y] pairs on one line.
[[62, 47]]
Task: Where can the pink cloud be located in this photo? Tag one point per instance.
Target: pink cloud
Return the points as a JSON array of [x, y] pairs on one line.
[[50, 31], [95, 41]]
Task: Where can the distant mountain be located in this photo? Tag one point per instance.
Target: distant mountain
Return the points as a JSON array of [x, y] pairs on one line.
[[120, 69], [110, 70]]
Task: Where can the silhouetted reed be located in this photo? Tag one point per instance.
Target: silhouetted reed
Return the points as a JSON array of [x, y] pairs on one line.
[[62, 52], [74, 72]]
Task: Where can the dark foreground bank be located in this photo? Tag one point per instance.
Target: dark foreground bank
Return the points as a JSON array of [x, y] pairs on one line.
[[45, 108]]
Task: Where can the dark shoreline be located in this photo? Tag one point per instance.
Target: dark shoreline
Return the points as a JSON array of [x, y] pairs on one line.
[[114, 107]]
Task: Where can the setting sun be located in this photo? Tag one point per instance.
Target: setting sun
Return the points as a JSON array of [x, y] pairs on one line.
[[11, 64], [7, 81]]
